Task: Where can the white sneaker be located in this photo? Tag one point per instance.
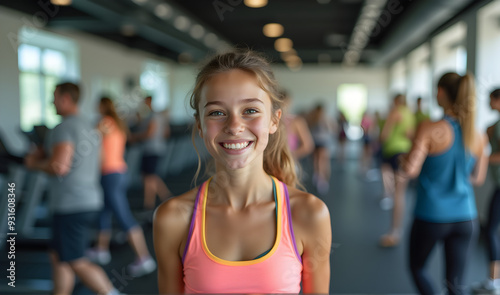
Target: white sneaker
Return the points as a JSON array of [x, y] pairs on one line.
[[101, 257], [140, 268], [487, 287]]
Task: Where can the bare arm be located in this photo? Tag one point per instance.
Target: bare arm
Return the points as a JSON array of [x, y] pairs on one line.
[[317, 240], [412, 162], [168, 231], [306, 141], [58, 164], [480, 170]]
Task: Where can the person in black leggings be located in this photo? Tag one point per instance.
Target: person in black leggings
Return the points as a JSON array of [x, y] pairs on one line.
[[448, 157], [457, 238], [493, 240]]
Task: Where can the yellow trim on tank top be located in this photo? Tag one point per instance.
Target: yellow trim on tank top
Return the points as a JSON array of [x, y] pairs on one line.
[[279, 198]]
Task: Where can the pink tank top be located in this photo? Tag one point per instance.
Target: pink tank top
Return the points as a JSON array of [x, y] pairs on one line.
[[279, 271]]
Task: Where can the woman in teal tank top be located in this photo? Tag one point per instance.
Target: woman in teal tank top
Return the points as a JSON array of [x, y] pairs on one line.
[[395, 138], [447, 156]]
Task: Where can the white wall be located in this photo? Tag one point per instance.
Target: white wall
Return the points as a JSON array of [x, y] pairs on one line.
[[313, 84], [9, 83]]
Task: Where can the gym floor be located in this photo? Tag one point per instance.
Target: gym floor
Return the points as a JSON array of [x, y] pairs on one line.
[[358, 264]]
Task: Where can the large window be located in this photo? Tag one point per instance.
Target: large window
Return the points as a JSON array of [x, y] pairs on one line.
[[42, 64], [398, 78], [351, 101], [449, 50], [154, 79], [488, 63], [420, 78]]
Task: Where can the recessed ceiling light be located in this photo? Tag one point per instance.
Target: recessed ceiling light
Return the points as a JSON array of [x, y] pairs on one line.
[[255, 3], [210, 40], [273, 30], [163, 11], [181, 23], [61, 2], [197, 31], [283, 44]]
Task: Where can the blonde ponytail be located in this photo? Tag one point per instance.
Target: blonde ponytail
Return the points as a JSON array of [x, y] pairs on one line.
[[465, 108], [462, 95]]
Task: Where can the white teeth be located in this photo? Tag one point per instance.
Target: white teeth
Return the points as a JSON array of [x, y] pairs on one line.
[[237, 146]]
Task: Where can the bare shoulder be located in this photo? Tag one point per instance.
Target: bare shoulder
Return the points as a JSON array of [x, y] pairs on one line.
[[177, 211], [307, 209]]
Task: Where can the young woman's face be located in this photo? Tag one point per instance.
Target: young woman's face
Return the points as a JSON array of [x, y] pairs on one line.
[[235, 119]]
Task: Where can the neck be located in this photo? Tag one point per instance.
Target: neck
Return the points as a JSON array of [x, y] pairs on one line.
[[240, 188]]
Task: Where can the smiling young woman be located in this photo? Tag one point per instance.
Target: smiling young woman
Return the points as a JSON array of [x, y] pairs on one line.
[[247, 229]]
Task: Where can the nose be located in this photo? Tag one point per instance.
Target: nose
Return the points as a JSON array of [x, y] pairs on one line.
[[234, 125]]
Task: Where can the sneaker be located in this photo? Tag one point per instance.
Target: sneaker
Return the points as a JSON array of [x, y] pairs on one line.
[[141, 267], [101, 257], [487, 287]]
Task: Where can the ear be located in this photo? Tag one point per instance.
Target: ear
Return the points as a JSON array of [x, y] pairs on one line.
[[198, 126], [275, 121]]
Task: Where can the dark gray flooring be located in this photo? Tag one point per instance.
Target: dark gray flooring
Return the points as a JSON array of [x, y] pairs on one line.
[[358, 264]]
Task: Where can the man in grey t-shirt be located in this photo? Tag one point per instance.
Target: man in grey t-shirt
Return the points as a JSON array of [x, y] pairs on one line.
[[72, 158]]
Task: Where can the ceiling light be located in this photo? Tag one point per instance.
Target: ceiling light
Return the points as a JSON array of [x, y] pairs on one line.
[[61, 2], [273, 30], [283, 44], [197, 32], [255, 3], [163, 11], [181, 23], [286, 54], [140, 2], [210, 40], [295, 64]]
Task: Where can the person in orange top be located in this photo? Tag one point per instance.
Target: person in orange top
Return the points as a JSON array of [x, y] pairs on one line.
[[247, 229], [114, 184]]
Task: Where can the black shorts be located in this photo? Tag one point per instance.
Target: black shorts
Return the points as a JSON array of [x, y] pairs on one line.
[[393, 161], [70, 236], [149, 163]]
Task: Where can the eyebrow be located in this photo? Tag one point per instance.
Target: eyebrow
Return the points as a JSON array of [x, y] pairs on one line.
[[243, 101]]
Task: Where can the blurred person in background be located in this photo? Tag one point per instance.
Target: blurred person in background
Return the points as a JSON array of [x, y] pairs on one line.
[[368, 126], [72, 158], [342, 125], [114, 183], [492, 284], [299, 137], [322, 134], [448, 158], [396, 136], [420, 116], [152, 136]]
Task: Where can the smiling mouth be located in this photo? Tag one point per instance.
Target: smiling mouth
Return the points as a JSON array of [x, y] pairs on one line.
[[236, 146]]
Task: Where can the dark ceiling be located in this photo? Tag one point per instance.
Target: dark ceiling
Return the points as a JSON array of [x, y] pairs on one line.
[[318, 31]]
